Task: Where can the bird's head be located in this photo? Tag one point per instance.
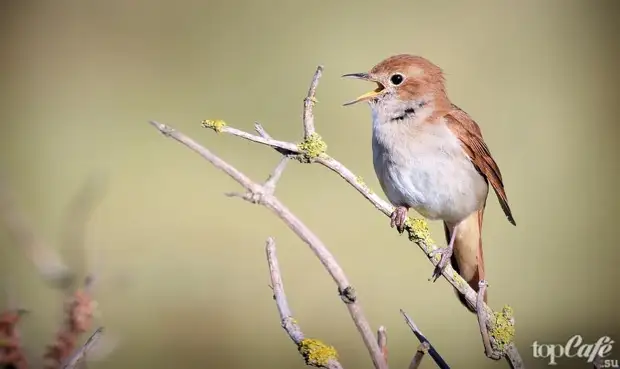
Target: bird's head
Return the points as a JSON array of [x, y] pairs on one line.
[[401, 79]]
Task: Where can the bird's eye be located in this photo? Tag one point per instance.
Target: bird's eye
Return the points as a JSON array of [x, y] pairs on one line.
[[397, 79]]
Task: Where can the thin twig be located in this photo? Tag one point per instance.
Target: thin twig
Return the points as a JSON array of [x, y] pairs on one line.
[[81, 353], [309, 101], [325, 359], [419, 234], [431, 350], [382, 341], [419, 355], [272, 181]]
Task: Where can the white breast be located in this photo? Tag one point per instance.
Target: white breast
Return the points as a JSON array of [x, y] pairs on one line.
[[423, 166]]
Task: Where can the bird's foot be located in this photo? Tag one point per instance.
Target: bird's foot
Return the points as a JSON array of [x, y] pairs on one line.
[[398, 218], [446, 254]]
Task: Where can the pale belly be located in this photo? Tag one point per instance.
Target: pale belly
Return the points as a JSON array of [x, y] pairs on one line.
[[432, 175]]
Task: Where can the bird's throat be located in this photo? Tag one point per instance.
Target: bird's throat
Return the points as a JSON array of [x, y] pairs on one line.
[[409, 112]]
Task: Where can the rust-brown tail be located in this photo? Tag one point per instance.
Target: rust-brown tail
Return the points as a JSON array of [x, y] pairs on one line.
[[468, 259]]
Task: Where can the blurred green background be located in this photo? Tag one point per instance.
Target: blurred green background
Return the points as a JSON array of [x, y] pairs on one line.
[[80, 80]]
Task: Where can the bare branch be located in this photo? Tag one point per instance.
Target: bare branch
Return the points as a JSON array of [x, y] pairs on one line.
[[382, 341], [272, 203], [315, 353], [431, 350], [81, 353], [309, 101], [513, 357], [419, 355], [270, 184], [483, 319], [45, 258]]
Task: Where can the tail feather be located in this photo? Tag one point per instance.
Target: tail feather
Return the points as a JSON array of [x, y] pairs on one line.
[[468, 258]]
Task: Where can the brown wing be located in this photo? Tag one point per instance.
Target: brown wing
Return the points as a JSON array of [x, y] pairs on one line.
[[470, 135]]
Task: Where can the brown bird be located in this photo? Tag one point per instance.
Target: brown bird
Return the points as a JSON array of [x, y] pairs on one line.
[[429, 155]]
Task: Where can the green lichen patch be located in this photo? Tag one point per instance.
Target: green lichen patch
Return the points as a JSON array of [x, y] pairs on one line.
[[418, 230], [316, 353], [215, 124], [502, 327], [311, 148]]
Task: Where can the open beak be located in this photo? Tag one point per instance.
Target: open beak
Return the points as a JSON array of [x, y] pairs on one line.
[[369, 95]]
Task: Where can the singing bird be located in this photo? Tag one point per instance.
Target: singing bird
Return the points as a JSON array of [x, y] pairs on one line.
[[429, 155]]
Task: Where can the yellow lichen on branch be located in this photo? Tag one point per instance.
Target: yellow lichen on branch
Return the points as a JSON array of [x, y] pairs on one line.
[[214, 124], [418, 230], [502, 327], [312, 148], [316, 352]]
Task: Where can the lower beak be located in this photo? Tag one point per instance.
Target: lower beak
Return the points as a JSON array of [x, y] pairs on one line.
[[368, 95]]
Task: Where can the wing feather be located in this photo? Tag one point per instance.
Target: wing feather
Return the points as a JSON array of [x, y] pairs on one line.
[[468, 131]]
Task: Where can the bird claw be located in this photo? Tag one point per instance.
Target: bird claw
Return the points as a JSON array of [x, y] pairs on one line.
[[446, 254], [398, 218]]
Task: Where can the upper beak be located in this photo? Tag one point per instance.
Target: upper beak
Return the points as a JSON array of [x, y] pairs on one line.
[[368, 95]]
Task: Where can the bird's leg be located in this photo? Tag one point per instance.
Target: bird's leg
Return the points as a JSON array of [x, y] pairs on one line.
[[398, 218], [446, 254]]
